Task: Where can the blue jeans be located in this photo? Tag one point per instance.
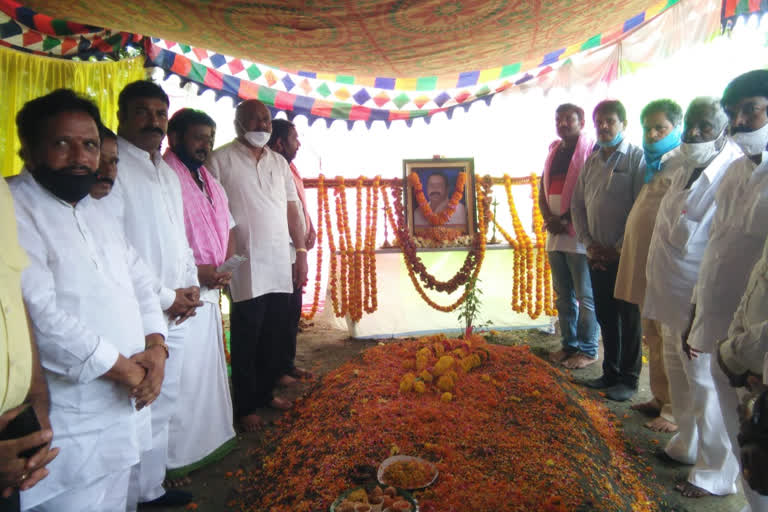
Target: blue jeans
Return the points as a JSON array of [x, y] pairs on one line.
[[574, 301]]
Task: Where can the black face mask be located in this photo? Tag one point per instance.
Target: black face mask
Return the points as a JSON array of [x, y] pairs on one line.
[[64, 184]]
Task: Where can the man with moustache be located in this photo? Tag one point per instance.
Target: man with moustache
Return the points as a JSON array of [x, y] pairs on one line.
[[147, 202], [680, 236], [267, 212], [662, 128], [285, 140], [605, 192], [567, 256], [736, 240], [439, 195], [201, 429], [94, 310], [107, 171]]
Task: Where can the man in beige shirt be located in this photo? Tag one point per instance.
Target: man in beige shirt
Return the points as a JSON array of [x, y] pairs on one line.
[[662, 128], [21, 378]]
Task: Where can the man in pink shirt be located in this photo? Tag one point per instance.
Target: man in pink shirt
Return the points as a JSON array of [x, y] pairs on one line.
[[285, 140]]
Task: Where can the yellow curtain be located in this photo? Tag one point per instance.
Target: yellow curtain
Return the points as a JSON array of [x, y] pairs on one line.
[[24, 76]]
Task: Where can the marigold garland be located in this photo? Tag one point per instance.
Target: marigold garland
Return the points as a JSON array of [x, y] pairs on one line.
[[444, 216], [333, 285], [370, 299], [319, 246]]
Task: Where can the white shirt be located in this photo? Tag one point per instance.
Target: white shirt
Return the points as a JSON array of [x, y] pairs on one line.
[[736, 239], [90, 298], [747, 343], [680, 235], [147, 201], [259, 192]]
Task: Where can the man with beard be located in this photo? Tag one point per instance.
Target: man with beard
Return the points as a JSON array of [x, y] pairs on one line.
[[285, 140], [736, 240], [439, 195], [677, 246], [662, 127], [107, 171], [94, 310], [267, 214], [146, 200], [201, 428], [604, 195], [567, 256]]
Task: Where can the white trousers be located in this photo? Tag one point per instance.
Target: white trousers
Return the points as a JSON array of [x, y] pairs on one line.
[[147, 480], [202, 422], [701, 438], [106, 494], [729, 402]]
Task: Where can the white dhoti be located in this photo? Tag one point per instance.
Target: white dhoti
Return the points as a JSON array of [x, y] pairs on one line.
[[201, 429], [701, 438], [729, 403], [147, 480], [106, 494]]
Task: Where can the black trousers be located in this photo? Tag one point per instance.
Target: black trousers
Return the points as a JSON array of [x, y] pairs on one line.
[[621, 329], [10, 504], [257, 335], [293, 317]]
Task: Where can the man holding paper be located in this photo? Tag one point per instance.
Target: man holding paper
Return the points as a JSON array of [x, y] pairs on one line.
[[201, 429]]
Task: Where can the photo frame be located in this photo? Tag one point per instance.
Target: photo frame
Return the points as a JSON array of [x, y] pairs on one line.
[[438, 179]]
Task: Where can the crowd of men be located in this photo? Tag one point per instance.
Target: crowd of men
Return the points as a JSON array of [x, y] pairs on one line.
[[115, 255], [666, 242], [114, 258]]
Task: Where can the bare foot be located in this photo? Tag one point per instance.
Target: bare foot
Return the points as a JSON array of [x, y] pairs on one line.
[[651, 408], [579, 361], [689, 490], [301, 373], [280, 403], [661, 425], [250, 423], [285, 381], [171, 483], [558, 356]]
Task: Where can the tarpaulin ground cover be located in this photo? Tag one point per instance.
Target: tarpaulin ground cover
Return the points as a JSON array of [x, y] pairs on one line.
[[513, 435]]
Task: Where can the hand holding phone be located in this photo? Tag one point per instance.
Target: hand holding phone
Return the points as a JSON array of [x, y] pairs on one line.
[[232, 263], [24, 449]]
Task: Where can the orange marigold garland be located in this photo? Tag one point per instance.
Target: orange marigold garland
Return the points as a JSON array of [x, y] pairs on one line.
[[536, 305], [370, 299], [440, 218], [319, 246], [333, 289]]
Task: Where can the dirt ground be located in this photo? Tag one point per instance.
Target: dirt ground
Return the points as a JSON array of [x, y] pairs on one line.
[[322, 350]]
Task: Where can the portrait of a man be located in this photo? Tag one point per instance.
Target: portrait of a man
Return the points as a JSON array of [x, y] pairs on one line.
[[438, 191]]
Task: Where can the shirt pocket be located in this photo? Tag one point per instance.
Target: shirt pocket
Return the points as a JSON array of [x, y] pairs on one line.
[[682, 232]]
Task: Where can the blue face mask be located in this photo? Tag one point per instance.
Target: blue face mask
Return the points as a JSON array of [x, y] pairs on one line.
[[655, 150], [615, 142]]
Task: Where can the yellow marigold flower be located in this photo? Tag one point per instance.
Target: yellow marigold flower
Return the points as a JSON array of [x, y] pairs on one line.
[[406, 383], [485, 377], [444, 364], [445, 383], [446, 397], [419, 386], [425, 376]]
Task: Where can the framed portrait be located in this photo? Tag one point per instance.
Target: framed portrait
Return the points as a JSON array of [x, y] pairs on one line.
[[441, 202]]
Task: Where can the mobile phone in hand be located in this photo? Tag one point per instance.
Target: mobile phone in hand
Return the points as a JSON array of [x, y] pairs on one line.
[[22, 425]]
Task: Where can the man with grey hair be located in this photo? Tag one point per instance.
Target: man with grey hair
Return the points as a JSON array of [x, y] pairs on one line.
[[267, 213], [679, 238]]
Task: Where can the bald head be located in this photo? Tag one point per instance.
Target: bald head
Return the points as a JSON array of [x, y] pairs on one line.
[[252, 116], [705, 120]]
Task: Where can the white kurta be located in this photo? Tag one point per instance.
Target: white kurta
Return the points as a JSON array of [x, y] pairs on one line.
[[736, 240], [747, 343], [679, 238], [90, 298], [258, 194]]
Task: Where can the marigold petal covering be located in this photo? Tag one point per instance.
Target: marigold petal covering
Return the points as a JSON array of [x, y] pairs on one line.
[[502, 440]]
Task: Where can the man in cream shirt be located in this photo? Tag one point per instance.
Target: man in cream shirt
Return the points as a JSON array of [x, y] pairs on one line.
[[267, 212]]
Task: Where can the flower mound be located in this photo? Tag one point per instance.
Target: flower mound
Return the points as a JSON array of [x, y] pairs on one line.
[[513, 435]]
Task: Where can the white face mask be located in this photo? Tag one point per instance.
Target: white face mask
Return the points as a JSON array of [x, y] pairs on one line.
[[752, 143], [257, 139], [700, 153]]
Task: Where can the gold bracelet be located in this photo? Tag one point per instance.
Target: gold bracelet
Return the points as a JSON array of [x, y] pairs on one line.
[[301, 250], [160, 344]]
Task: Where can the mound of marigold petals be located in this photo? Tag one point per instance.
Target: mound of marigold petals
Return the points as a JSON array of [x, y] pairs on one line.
[[513, 436]]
